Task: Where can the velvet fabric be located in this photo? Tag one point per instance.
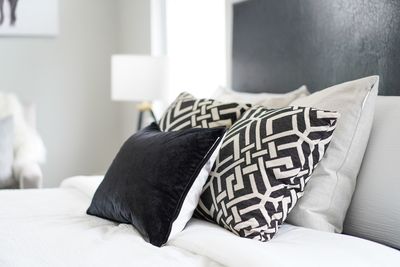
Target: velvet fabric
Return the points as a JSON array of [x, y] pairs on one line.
[[150, 177]]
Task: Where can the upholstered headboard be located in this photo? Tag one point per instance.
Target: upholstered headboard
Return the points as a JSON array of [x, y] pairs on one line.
[[279, 45]]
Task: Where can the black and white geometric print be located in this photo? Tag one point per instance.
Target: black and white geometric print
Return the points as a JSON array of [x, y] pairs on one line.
[[264, 163], [188, 112]]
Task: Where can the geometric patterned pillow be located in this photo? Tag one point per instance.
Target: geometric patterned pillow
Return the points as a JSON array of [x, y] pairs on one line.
[[188, 112], [264, 163]]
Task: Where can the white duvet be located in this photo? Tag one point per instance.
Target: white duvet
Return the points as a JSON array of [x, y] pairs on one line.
[[49, 227]]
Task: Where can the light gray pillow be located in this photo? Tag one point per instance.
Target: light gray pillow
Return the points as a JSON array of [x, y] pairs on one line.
[[6, 150], [328, 193], [374, 212]]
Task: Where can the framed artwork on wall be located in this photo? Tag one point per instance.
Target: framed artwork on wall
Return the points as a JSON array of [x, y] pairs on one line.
[[29, 18]]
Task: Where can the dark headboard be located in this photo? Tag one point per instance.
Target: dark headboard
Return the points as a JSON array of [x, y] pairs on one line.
[[278, 45]]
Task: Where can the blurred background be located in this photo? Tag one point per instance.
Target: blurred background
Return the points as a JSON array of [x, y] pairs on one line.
[[64, 68]]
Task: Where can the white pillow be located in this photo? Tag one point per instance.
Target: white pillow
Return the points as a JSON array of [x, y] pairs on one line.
[[331, 187], [264, 99], [193, 197]]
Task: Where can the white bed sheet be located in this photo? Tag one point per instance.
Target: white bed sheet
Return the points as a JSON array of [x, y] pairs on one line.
[[292, 246], [49, 227]]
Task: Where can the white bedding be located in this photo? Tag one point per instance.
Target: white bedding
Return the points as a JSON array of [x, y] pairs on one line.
[[49, 227]]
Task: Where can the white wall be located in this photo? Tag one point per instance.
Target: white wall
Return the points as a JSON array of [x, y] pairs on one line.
[[68, 77], [134, 27], [134, 37]]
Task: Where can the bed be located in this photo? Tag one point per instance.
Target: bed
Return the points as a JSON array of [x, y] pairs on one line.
[[49, 227]]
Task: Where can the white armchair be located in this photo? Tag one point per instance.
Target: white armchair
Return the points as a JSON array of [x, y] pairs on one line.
[[29, 150], [28, 175]]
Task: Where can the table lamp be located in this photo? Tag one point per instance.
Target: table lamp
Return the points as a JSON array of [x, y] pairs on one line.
[[138, 78]]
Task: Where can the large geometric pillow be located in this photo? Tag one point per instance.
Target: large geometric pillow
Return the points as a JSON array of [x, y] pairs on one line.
[[264, 163], [188, 112]]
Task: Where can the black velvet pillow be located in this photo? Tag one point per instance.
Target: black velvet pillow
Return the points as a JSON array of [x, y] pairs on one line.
[[151, 176]]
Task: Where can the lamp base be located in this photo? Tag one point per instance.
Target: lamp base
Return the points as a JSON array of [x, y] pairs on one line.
[[144, 107]]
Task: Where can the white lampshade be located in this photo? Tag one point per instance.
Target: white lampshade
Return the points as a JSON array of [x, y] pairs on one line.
[[138, 77]]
